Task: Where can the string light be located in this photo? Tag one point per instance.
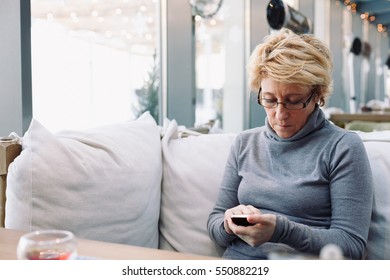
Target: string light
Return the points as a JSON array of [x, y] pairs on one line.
[[364, 16], [381, 28], [352, 7]]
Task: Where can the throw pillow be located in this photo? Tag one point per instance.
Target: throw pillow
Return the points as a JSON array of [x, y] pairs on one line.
[[102, 184]]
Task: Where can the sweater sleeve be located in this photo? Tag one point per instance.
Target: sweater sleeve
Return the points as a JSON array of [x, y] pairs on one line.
[[351, 197]]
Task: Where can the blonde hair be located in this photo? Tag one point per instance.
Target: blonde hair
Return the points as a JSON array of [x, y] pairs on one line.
[[292, 59]]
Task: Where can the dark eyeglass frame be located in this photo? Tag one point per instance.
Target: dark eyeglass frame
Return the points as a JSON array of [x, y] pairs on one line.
[[304, 104]]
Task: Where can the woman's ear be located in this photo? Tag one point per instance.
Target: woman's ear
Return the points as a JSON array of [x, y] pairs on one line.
[[318, 96]]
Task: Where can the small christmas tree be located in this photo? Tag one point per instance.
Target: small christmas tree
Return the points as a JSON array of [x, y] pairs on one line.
[[148, 99]]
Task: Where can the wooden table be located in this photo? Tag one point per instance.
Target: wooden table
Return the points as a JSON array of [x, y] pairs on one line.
[[96, 249]]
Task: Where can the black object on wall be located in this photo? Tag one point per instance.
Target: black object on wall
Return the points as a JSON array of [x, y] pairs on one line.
[[279, 15]]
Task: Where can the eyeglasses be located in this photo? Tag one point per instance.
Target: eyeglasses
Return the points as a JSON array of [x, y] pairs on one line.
[[272, 103]]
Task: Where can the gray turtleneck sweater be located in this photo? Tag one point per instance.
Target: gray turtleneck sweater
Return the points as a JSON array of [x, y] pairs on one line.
[[318, 183]]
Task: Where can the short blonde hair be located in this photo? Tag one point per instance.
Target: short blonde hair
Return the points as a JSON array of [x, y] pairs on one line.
[[290, 58]]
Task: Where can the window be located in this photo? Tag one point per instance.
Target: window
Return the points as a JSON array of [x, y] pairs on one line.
[[220, 66], [92, 61]]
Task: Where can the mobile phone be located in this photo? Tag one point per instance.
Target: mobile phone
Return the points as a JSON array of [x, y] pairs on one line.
[[241, 220]]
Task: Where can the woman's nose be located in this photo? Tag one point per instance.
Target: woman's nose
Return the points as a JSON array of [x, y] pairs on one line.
[[281, 112]]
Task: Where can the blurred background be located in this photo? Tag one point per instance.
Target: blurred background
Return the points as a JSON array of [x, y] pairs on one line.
[[75, 64]]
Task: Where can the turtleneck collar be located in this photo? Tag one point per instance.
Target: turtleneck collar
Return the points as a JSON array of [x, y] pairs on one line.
[[315, 122]]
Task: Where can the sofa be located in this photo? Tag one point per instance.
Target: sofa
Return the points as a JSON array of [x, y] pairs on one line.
[[142, 184]]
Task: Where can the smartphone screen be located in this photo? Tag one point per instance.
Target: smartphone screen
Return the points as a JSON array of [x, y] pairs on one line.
[[241, 220]]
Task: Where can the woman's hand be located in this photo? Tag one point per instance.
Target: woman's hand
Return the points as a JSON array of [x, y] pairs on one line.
[[240, 209], [259, 233]]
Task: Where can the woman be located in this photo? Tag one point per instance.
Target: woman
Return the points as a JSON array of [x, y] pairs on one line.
[[304, 182]]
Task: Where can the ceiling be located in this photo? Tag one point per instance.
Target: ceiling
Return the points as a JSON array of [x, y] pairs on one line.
[[376, 11]]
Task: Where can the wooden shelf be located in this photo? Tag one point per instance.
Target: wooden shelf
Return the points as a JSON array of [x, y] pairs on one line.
[[342, 119]]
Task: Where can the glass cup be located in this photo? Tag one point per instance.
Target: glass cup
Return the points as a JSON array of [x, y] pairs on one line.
[[47, 245]]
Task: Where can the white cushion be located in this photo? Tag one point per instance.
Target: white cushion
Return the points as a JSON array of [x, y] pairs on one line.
[[192, 171], [102, 184], [375, 136], [378, 149]]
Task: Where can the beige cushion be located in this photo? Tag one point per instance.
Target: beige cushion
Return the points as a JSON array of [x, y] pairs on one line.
[[378, 149], [102, 184], [192, 171]]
